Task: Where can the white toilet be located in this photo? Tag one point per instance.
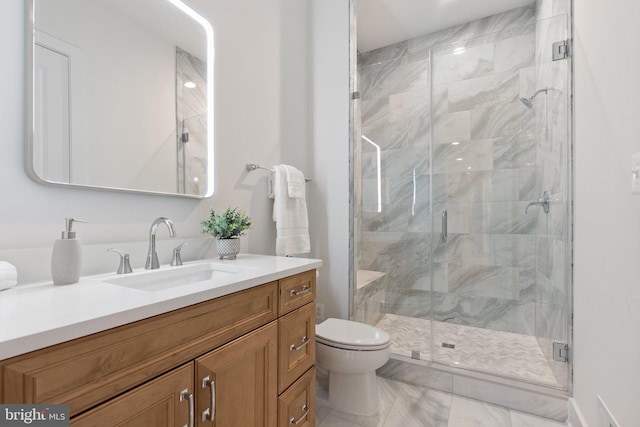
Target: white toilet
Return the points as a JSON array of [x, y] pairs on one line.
[[351, 352]]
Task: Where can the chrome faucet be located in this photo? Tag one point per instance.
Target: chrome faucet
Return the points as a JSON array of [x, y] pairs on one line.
[[152, 257]]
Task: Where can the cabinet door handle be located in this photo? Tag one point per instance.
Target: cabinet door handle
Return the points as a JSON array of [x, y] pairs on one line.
[[184, 394], [206, 414], [305, 341], [304, 290], [306, 410], [210, 412]]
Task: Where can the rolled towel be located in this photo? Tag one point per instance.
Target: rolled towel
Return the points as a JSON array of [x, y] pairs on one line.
[[8, 275]]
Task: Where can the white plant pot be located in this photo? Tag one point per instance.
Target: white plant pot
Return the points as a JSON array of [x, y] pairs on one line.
[[228, 248]]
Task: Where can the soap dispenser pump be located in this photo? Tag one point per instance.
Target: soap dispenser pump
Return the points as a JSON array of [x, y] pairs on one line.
[[66, 259]]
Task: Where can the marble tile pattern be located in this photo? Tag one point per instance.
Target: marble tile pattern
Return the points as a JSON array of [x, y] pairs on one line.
[[421, 96], [496, 352], [404, 405], [191, 109]]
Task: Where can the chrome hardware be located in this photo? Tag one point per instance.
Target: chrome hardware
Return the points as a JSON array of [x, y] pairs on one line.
[[355, 95], [443, 236], [560, 352], [176, 260], [213, 399], [305, 341], [305, 289], [125, 265], [152, 257], [306, 410], [209, 413], [544, 202], [184, 394], [206, 414], [560, 50]]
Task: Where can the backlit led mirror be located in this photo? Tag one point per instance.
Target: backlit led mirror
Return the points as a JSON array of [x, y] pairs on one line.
[[121, 96]]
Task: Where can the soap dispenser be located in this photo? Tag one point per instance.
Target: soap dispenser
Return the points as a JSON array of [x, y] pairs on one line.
[[66, 259]]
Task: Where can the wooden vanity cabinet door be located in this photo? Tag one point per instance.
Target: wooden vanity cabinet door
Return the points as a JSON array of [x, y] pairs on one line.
[[244, 373], [156, 403], [296, 345], [298, 403]]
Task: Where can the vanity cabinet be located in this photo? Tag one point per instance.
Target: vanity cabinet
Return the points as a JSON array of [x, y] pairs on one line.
[[163, 402], [230, 358], [236, 384]]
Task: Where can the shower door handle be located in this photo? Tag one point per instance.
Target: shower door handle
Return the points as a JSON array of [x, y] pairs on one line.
[[443, 237]]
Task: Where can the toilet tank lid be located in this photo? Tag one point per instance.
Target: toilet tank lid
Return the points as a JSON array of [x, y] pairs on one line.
[[351, 333]]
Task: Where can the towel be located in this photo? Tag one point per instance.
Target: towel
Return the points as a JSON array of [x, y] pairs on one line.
[[290, 213], [295, 182], [8, 275]]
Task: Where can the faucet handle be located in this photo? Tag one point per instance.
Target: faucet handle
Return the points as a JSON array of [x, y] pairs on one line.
[[177, 260], [125, 266]]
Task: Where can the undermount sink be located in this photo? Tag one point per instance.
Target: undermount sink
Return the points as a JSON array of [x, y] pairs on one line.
[[172, 277]]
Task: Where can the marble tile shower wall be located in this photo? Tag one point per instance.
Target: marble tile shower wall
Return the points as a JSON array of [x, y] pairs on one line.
[[485, 274], [191, 109]]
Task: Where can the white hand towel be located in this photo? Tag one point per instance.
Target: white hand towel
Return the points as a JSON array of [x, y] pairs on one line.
[[295, 182], [290, 215], [8, 275]]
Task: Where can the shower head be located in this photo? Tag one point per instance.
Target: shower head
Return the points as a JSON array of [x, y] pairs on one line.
[[528, 102]]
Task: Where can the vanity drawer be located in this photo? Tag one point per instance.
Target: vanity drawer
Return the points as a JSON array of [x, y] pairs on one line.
[[298, 403], [87, 371], [296, 291], [296, 345]]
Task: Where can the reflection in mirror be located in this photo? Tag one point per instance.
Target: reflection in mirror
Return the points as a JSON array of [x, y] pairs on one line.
[[122, 96]]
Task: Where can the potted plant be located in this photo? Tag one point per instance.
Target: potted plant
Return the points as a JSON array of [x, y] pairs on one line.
[[227, 228]]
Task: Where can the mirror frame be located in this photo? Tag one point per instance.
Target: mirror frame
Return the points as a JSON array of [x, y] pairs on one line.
[[30, 105]]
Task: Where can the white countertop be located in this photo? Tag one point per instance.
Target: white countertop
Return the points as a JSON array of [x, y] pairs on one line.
[[40, 314]]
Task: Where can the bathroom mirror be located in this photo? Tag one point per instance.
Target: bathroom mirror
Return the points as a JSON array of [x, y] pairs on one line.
[[121, 96]]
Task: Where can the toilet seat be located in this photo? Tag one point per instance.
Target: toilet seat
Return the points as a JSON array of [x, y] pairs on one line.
[[349, 335]]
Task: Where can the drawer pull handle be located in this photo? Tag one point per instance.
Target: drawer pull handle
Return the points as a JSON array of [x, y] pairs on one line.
[[305, 341], [306, 410], [184, 394], [305, 289]]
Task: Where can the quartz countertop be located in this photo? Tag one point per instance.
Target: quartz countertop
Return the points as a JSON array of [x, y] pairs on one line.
[[39, 315]]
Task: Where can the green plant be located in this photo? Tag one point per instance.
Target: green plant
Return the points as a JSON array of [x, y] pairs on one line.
[[231, 223]]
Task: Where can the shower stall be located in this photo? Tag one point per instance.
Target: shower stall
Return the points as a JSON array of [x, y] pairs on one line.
[[461, 201]]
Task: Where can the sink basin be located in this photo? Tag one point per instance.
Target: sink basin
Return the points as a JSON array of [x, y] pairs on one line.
[[172, 277]]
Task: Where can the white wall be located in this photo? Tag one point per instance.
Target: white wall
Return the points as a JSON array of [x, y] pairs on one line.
[[132, 82], [329, 201], [260, 117], [607, 216]]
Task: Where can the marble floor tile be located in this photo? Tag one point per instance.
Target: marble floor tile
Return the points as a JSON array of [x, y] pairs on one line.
[[520, 419], [405, 405], [467, 412], [475, 348], [333, 421], [417, 407]]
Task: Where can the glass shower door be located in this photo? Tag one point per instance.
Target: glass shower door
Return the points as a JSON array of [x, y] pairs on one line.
[[498, 264]]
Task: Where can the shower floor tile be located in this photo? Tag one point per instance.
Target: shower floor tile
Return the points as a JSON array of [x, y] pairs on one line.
[[495, 352]]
